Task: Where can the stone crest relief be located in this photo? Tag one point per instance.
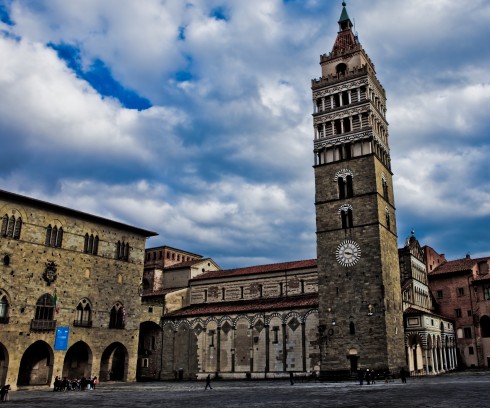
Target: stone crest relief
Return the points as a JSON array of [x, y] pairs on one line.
[[50, 272]]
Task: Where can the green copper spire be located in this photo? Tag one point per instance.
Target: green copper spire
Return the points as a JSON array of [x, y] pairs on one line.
[[344, 21]]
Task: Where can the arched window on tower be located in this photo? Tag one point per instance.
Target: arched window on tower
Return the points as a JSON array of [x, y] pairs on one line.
[[352, 328], [346, 216], [346, 189], [341, 69], [385, 188], [388, 221]]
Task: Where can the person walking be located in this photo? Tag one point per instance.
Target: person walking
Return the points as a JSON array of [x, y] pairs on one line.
[[208, 382], [403, 375], [291, 377]]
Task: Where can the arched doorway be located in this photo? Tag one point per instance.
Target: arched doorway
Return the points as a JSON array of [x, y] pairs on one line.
[[114, 363], [36, 365], [78, 361], [4, 364], [149, 352]]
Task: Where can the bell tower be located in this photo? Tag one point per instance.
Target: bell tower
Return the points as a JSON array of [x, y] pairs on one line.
[[360, 305]]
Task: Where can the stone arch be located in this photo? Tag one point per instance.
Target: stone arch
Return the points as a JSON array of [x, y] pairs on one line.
[[240, 317], [114, 363], [185, 348], [225, 319], [272, 316], [243, 343], [197, 321], [4, 363], [36, 365], [78, 361]]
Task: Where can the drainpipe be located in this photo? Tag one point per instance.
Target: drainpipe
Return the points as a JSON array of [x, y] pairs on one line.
[[473, 323]]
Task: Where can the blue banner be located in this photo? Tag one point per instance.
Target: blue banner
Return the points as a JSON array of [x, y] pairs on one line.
[[61, 340]]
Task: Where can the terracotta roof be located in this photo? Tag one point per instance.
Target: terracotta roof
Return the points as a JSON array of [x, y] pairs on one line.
[[258, 269], [459, 265], [252, 305], [482, 278]]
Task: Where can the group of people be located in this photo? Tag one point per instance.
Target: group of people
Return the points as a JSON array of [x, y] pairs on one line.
[[368, 375], [74, 385]]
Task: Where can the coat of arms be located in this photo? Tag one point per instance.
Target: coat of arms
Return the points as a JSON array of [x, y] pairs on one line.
[[49, 274]]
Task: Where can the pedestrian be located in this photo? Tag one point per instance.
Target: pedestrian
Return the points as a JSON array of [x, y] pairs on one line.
[[368, 376], [360, 376], [208, 382], [403, 375], [4, 392], [291, 377]]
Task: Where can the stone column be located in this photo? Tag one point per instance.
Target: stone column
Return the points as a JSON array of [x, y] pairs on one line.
[[218, 349], [426, 354], [284, 348], [267, 352], [303, 344]]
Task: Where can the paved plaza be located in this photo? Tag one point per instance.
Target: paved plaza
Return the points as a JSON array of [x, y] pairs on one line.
[[467, 389]]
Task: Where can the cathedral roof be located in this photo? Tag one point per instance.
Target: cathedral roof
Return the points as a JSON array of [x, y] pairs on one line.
[[252, 305], [259, 269]]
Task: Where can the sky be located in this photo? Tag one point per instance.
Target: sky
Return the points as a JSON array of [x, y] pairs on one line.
[[192, 118]]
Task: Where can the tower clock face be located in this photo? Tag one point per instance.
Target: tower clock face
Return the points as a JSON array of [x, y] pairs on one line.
[[348, 253]]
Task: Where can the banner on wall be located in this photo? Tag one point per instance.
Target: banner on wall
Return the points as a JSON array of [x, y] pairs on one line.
[[61, 339]]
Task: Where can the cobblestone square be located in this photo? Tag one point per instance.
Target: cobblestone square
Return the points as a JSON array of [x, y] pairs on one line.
[[456, 390]]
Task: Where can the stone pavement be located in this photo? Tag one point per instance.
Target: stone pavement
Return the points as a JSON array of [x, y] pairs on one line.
[[455, 390]]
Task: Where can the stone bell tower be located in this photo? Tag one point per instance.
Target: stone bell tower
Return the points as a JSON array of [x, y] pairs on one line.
[[360, 310]]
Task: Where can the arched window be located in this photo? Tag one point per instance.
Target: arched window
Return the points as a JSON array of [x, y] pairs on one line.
[[346, 216], [122, 251], [485, 326], [345, 184], [45, 308], [341, 68], [388, 221], [17, 228], [54, 236], [6, 260], [83, 314], [4, 308], [5, 223], [352, 328], [117, 317], [385, 188]]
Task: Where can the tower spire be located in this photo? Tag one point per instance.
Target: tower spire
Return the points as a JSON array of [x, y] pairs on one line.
[[344, 21], [346, 40]]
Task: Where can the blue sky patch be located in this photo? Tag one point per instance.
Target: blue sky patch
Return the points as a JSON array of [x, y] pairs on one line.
[[219, 13], [4, 13], [100, 78]]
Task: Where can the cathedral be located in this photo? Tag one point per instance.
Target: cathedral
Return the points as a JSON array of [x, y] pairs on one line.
[[81, 296]]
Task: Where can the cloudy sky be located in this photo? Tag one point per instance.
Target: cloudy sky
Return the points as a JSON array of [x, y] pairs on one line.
[[192, 118]]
